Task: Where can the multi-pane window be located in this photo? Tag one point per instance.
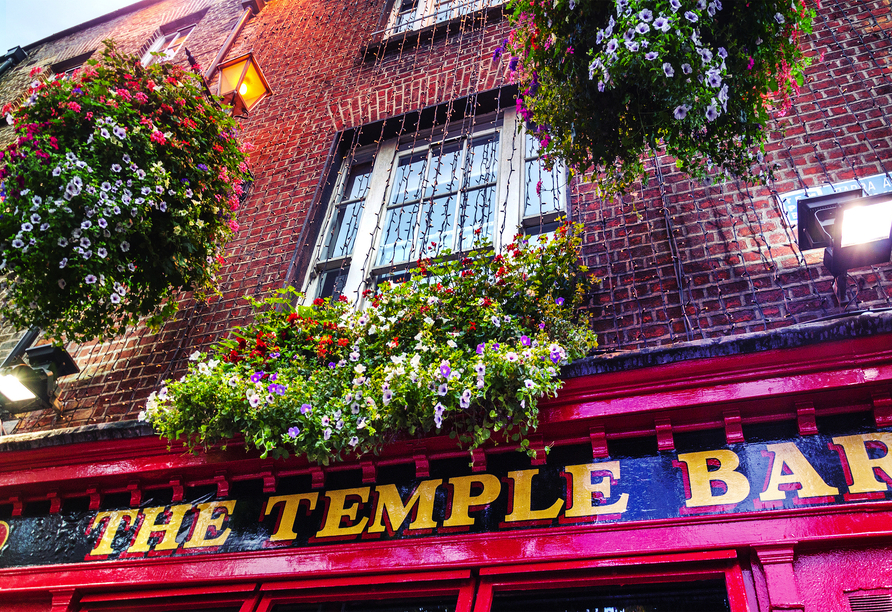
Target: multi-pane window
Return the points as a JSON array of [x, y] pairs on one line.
[[542, 203], [411, 15], [439, 197], [421, 194], [168, 45]]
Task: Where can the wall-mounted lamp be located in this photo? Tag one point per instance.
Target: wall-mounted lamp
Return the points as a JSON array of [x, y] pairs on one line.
[[33, 387], [242, 84], [854, 230]]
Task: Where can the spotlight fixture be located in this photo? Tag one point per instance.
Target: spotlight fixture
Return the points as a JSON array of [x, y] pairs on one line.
[[854, 230], [32, 386]]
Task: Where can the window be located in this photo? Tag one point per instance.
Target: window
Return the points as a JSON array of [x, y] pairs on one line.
[[68, 66], [408, 15], [168, 45], [419, 194]]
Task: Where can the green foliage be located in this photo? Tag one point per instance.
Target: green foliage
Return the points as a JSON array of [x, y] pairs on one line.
[[603, 83], [466, 347], [121, 187]]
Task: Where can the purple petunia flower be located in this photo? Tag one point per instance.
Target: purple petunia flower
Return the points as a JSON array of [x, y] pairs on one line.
[[293, 431], [481, 347], [525, 340], [559, 301], [651, 56], [256, 377], [306, 409]]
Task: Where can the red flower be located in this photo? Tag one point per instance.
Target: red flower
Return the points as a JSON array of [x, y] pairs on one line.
[[318, 302]]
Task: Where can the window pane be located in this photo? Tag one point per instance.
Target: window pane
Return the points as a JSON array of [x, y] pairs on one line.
[[436, 226], [396, 243], [706, 596], [445, 175], [483, 161], [345, 222], [409, 178], [405, 16], [331, 283], [428, 605], [542, 196], [343, 231], [477, 213], [358, 181]]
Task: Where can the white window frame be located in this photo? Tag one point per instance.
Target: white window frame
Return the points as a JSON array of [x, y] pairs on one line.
[[411, 15], [165, 44], [508, 218]]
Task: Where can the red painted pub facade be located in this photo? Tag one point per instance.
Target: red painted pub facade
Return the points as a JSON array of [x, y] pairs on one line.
[[726, 448]]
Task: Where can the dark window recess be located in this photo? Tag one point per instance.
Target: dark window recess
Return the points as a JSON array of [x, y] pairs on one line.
[[770, 432], [644, 446], [704, 596], [72, 63], [844, 424], [426, 605]]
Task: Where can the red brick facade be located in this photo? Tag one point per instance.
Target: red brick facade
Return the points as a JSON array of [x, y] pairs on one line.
[[679, 261]]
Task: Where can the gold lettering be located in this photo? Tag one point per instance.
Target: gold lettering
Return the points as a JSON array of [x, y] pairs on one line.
[[462, 500], [337, 512], [701, 478], [288, 518], [801, 472], [208, 529], [584, 492], [521, 505], [168, 531], [862, 468], [115, 519], [389, 499]]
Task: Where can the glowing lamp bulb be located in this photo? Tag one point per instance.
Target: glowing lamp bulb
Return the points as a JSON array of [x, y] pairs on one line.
[[243, 89]]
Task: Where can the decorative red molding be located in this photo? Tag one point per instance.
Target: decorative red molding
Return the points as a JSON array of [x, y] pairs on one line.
[[777, 563], [733, 428], [599, 442], [805, 418], [665, 441], [478, 460], [882, 408]]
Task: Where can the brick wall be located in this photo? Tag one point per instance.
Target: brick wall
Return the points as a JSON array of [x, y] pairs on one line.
[[679, 261]]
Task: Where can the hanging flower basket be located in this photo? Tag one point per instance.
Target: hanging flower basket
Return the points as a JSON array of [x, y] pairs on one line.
[[467, 347], [120, 189], [603, 83]]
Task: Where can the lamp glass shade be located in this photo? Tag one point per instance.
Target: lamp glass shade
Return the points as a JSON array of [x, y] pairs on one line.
[[241, 78], [13, 389], [864, 224]]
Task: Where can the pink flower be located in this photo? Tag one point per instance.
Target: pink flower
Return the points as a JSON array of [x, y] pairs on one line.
[[750, 64], [74, 106], [233, 225], [158, 137]]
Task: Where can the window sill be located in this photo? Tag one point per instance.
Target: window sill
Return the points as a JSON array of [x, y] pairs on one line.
[[380, 43]]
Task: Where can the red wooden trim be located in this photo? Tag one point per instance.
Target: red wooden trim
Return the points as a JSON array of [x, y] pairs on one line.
[[652, 576], [399, 591], [465, 601], [736, 586], [830, 528], [395, 578], [708, 555], [170, 592], [483, 602]]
